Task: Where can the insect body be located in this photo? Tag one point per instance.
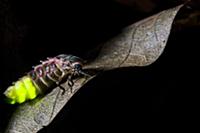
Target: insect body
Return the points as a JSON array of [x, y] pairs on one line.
[[44, 76]]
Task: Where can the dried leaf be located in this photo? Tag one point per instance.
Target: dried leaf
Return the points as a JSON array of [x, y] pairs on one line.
[[138, 45], [30, 117]]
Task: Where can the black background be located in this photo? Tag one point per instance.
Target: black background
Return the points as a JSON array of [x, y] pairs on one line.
[[162, 94]]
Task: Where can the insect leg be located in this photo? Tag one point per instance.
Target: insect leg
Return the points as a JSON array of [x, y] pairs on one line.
[[60, 82], [70, 82], [62, 88]]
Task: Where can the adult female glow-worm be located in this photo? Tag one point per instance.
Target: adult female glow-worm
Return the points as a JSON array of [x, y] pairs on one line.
[[44, 77]]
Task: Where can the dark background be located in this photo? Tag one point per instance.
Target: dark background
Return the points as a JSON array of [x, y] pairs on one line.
[[162, 94]]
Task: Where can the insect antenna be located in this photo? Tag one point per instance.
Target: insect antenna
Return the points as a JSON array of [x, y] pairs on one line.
[[84, 74]]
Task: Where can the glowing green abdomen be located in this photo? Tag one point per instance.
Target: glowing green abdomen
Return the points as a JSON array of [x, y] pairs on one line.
[[21, 91]]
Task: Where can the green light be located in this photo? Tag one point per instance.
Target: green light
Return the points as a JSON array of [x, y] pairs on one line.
[[20, 91], [30, 88], [10, 92]]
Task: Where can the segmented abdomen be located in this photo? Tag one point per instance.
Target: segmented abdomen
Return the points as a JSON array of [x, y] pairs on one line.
[[21, 91], [36, 82]]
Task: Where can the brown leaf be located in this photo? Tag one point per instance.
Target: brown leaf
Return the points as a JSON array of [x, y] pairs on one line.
[[139, 44], [31, 116]]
